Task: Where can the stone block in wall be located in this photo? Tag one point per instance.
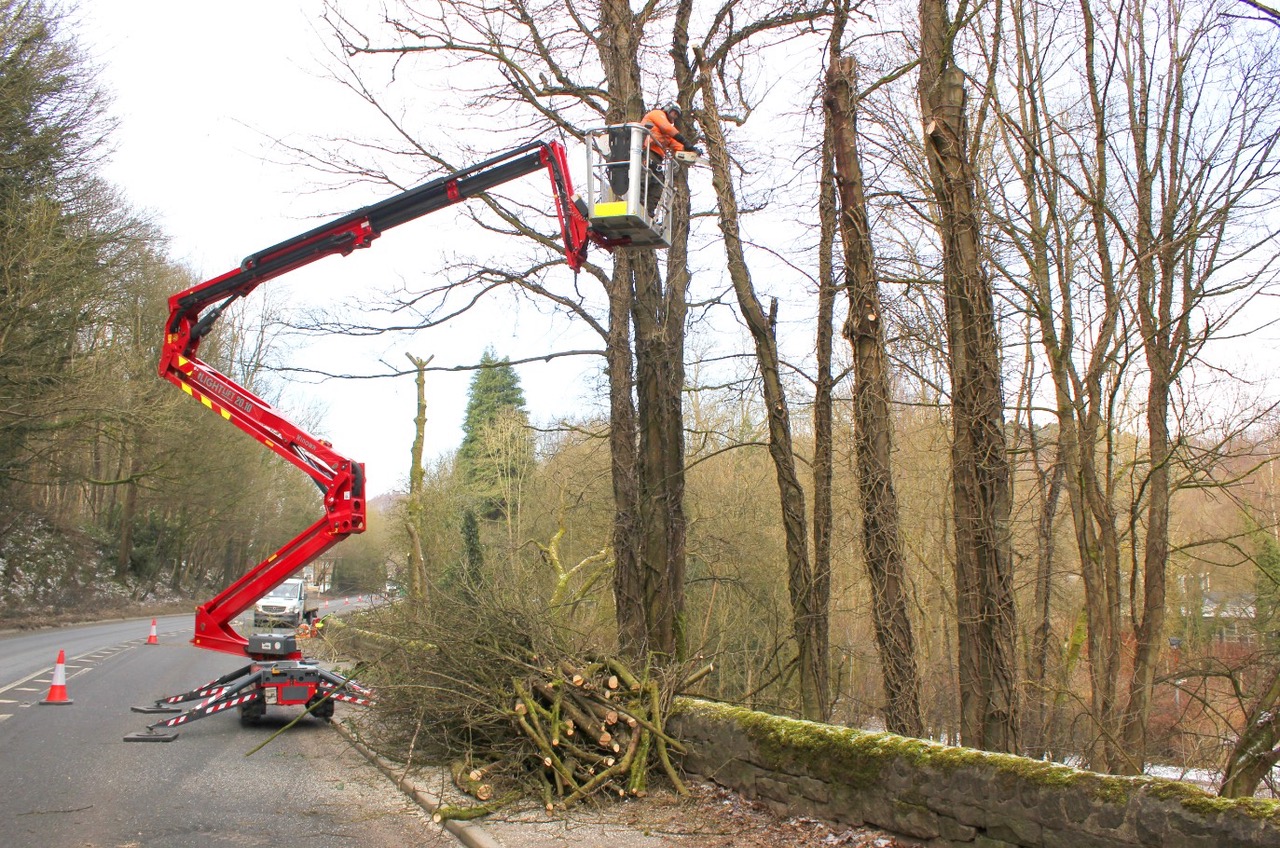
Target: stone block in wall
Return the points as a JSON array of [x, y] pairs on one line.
[[990, 842], [902, 817], [770, 789], [846, 805], [1108, 817], [952, 831], [1016, 831], [1068, 839], [814, 790], [915, 820], [1048, 807], [739, 774]]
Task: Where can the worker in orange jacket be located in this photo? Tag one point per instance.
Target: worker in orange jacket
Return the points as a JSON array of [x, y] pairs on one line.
[[664, 136]]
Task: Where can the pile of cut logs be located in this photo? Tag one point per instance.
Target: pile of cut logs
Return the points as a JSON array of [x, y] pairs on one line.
[[591, 728]]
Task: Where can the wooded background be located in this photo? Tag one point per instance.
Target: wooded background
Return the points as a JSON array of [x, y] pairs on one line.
[[947, 410]]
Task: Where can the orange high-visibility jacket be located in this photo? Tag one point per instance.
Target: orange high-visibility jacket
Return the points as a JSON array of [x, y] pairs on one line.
[[663, 135]]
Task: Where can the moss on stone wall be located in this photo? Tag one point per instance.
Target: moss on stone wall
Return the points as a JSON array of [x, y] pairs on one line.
[[857, 759]]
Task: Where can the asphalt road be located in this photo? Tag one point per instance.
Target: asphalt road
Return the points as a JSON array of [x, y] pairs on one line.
[[67, 778]]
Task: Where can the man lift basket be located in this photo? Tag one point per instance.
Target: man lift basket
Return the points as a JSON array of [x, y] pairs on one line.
[[629, 190]]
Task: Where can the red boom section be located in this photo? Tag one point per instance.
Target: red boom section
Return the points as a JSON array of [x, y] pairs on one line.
[[341, 480], [193, 312]]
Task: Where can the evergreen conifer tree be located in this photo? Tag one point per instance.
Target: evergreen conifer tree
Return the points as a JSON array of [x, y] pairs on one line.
[[497, 445]]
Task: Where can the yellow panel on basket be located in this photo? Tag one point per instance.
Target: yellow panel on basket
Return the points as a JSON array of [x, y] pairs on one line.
[[609, 210]]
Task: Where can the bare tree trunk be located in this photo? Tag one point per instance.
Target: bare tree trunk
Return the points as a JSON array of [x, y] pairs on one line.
[[128, 510], [416, 567], [881, 539], [618, 53], [809, 609], [648, 433], [986, 618], [1162, 340], [628, 579], [1166, 342], [659, 325], [230, 561], [1050, 484], [234, 556], [823, 404]]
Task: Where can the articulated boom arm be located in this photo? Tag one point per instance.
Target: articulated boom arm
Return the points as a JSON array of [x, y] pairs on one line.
[[193, 312]]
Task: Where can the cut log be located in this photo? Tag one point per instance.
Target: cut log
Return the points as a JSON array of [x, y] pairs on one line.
[[443, 814], [624, 675], [484, 771], [462, 779]]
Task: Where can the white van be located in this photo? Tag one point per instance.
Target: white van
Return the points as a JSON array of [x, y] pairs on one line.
[[288, 605]]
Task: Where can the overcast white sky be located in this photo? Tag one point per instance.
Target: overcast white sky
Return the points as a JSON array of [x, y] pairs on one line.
[[198, 89]]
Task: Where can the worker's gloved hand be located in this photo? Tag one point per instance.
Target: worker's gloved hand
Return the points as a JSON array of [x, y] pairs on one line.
[[696, 151]]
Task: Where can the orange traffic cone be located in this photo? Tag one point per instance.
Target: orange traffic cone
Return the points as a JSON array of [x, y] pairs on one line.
[[152, 640], [58, 688]]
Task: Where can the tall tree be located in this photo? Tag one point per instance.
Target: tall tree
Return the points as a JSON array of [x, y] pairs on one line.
[[809, 606], [873, 433], [1137, 257], [415, 563], [497, 444], [981, 485]]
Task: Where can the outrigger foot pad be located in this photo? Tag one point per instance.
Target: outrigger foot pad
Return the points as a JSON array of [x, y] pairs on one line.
[[157, 708], [150, 736]]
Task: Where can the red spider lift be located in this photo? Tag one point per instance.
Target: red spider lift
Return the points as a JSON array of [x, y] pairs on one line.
[[277, 673]]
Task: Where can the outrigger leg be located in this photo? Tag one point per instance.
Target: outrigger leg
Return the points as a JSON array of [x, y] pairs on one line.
[[252, 689], [222, 694]]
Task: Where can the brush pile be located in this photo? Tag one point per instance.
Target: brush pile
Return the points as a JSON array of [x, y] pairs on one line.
[[512, 709]]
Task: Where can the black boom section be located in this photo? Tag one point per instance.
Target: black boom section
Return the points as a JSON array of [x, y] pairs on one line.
[[416, 202], [339, 235]]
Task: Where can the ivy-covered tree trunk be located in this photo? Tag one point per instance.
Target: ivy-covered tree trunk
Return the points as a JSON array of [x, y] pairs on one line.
[[985, 613], [628, 578], [873, 431]]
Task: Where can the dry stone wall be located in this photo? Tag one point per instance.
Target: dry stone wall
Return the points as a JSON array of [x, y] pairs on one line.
[[947, 797]]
